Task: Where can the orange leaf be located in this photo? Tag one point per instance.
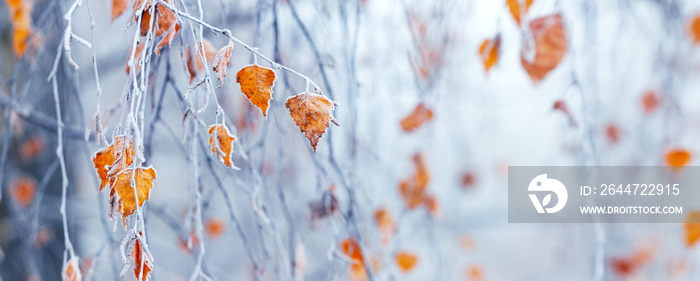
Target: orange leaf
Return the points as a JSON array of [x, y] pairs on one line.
[[22, 190], [677, 157], [695, 29], [20, 38], [312, 113], [141, 260], [405, 260], [431, 203], [225, 140], [32, 147], [256, 83], [166, 19], [613, 133], [137, 59], [420, 115], [71, 272], [514, 7], [351, 249], [221, 62], [214, 227], [550, 46], [475, 273], [143, 181], [118, 8], [194, 62], [111, 160], [650, 101], [386, 224], [489, 50], [560, 105], [167, 38], [413, 188], [692, 228], [21, 19]]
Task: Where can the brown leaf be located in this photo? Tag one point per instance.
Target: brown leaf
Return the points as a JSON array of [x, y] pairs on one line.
[[225, 140], [514, 7], [137, 58], [168, 38], [256, 83], [651, 101], [221, 62], [550, 46], [194, 62], [312, 113], [143, 181], [489, 51], [118, 8], [111, 160], [325, 206], [420, 115]]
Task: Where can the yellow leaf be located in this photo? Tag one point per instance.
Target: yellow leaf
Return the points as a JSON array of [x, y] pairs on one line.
[[225, 140], [143, 181]]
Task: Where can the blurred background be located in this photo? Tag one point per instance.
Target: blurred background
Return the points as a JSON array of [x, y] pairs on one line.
[[435, 99]]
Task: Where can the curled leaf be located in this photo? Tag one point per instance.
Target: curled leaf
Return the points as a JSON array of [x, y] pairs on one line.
[[420, 115], [137, 59], [143, 182], [550, 47], [256, 83], [225, 141], [312, 113], [489, 51], [194, 62], [141, 261], [221, 62]]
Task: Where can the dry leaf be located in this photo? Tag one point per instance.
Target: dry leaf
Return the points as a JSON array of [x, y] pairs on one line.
[[118, 8], [225, 140], [650, 102], [194, 62], [21, 19], [143, 181], [692, 228], [413, 189], [214, 227], [325, 206], [351, 248], [560, 105], [406, 261], [550, 46], [221, 62], [514, 7], [71, 271], [695, 29], [141, 260], [22, 191], [256, 83], [468, 179], [111, 160], [386, 224], [137, 59], [612, 132], [677, 157], [419, 116], [489, 51], [167, 38], [32, 147], [312, 113]]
